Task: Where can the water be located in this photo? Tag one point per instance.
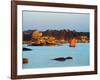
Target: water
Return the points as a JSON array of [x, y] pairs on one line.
[[41, 56]]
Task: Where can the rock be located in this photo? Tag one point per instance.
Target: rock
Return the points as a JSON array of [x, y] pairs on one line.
[[62, 58], [25, 60], [26, 49], [69, 57]]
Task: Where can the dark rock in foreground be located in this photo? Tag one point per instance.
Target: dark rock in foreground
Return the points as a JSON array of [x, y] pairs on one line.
[[25, 60], [26, 49], [62, 58]]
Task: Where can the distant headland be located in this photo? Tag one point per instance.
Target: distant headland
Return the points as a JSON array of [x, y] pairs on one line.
[[53, 37]]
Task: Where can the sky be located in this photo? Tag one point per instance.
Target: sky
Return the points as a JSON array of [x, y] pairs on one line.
[[42, 21]]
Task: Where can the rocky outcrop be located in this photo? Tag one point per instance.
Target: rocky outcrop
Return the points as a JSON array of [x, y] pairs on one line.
[[62, 58], [26, 49], [25, 60]]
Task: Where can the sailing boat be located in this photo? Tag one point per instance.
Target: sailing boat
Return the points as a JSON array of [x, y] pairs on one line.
[[73, 42]]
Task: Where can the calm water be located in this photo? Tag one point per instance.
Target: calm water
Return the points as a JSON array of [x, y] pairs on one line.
[[41, 56]]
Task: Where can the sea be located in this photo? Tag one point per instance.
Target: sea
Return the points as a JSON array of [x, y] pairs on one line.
[[42, 56]]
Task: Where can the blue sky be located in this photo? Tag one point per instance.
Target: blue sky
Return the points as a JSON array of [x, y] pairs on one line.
[[55, 20]]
